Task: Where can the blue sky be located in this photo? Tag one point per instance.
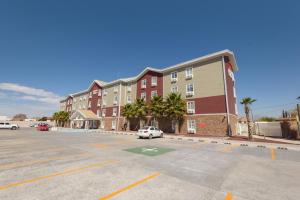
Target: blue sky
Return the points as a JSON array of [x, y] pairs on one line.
[[60, 46]]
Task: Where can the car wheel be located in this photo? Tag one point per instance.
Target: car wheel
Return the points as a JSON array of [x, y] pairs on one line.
[[150, 136], [13, 128], [140, 137], [161, 135]]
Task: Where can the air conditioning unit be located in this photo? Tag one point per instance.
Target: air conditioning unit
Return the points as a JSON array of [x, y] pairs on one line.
[[188, 94], [189, 76], [173, 80], [129, 89], [103, 114], [191, 111], [98, 104], [114, 114], [191, 131], [143, 86]]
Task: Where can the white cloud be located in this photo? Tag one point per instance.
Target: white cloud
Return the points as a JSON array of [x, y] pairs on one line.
[[33, 94]]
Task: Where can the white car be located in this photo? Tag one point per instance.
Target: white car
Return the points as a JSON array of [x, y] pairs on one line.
[[149, 132], [7, 125]]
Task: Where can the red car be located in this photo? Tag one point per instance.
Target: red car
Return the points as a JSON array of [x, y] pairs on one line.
[[42, 127]]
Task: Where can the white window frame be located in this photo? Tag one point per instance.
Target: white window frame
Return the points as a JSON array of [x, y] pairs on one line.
[[113, 124], [189, 73], [153, 92], [116, 99], [103, 112], [90, 95], [114, 113], [95, 91], [103, 103], [154, 81], [191, 126], [105, 92], [129, 88], [99, 93], [90, 104], [188, 92], [143, 95], [172, 89], [129, 99], [144, 83], [116, 89], [174, 79], [191, 107], [99, 102]]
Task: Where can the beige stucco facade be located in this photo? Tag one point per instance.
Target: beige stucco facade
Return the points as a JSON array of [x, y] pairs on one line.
[[80, 101], [207, 79]]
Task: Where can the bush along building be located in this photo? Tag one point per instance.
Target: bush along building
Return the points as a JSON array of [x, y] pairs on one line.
[[206, 84]]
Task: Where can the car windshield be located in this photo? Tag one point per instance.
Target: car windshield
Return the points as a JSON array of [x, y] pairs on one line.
[[145, 128]]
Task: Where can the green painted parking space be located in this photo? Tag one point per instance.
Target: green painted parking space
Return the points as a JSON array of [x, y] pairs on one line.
[[149, 151]]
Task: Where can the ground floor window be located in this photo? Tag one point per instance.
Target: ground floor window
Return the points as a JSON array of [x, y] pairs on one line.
[[113, 124], [191, 126]]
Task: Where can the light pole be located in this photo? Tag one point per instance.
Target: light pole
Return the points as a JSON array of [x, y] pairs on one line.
[[298, 118]]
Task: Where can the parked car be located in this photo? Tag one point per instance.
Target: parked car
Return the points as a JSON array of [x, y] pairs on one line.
[[7, 125], [149, 132], [43, 127]]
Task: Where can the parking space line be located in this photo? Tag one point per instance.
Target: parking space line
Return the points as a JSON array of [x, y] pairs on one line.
[[229, 149], [129, 186], [273, 154], [95, 165], [228, 196], [26, 164]]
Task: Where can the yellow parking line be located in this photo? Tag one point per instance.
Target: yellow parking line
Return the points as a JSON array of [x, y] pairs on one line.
[[273, 154], [26, 164], [130, 186], [228, 149], [228, 196], [58, 174]]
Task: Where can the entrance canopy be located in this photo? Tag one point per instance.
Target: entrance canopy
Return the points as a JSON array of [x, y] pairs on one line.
[[82, 115]]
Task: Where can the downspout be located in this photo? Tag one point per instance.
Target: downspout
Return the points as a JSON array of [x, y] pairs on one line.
[[119, 109], [226, 97]]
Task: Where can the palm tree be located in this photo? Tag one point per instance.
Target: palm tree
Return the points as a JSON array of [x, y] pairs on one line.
[[55, 117], [247, 102], [175, 109], [157, 107], [139, 110], [61, 117], [128, 113]]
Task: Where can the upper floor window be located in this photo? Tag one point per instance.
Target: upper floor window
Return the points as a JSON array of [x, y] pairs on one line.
[[105, 92], [116, 99], [129, 88], [189, 73], [114, 112], [103, 112], [90, 95], [174, 76], [116, 89], [144, 83], [174, 89], [143, 95], [95, 91], [190, 106], [99, 93], [90, 104], [103, 102], [189, 89], [99, 102], [129, 100], [153, 93], [154, 81]]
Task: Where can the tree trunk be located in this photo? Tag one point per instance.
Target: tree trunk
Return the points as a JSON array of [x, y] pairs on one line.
[[248, 122], [177, 131]]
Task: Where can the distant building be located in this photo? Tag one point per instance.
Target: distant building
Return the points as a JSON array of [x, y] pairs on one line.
[[207, 84]]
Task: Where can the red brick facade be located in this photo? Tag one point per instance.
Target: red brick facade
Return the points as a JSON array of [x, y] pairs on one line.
[[94, 98], [149, 88]]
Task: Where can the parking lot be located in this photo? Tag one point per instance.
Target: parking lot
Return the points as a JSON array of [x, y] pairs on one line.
[[54, 165]]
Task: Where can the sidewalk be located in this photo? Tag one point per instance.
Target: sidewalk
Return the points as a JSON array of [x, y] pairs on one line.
[[296, 142]]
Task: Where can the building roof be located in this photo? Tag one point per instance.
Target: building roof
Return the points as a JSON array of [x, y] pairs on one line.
[[225, 52]]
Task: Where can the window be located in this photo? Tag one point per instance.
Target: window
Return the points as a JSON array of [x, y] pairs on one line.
[[115, 89], [84, 98], [191, 126], [113, 124], [99, 102], [105, 92], [129, 99], [143, 83], [115, 99], [153, 93], [174, 89], [98, 113], [114, 112], [129, 88], [104, 103], [99, 93], [153, 81], [190, 107], [189, 73], [90, 95], [90, 104], [143, 95], [103, 112], [95, 91], [189, 89], [80, 99], [174, 77]]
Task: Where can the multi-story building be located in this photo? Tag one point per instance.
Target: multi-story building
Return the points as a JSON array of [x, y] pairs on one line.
[[206, 83]]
